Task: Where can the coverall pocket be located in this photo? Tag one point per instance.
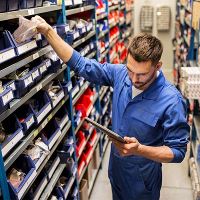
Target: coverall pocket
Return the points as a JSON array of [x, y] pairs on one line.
[[150, 175], [145, 117], [146, 186]]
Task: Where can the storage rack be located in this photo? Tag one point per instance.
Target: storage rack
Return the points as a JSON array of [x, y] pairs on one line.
[[63, 12], [186, 54]]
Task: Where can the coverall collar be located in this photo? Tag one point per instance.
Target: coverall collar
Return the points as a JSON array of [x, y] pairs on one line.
[[153, 91]]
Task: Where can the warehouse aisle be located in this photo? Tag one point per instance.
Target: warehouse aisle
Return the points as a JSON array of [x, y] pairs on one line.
[[176, 184]]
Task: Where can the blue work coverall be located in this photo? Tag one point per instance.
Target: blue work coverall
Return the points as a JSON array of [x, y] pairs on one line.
[[155, 117]]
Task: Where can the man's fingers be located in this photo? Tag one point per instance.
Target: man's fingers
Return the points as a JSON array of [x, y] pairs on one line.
[[130, 139]]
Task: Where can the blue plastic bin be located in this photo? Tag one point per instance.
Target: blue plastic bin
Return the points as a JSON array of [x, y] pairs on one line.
[[28, 168], [62, 117], [38, 3], [62, 30], [36, 75], [14, 129], [67, 87], [60, 94], [55, 66], [30, 3], [5, 98], [3, 5], [43, 102], [42, 69], [12, 5], [7, 50], [21, 48], [52, 133], [23, 85], [26, 117]]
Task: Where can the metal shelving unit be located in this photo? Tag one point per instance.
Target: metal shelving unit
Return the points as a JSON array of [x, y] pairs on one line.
[[79, 10], [19, 102], [28, 12], [69, 128]]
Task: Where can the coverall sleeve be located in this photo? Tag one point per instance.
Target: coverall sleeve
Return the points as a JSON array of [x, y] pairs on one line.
[[91, 70], [176, 130]]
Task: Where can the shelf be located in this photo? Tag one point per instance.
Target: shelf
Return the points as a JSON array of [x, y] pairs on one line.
[[102, 34], [113, 42], [105, 145], [113, 25], [79, 42], [83, 89], [91, 55], [94, 176], [103, 93], [105, 108], [79, 10], [26, 141], [94, 147], [53, 181], [25, 60], [28, 12], [122, 7], [122, 23], [115, 55], [111, 8], [195, 160], [128, 23], [101, 16], [64, 131], [129, 9], [197, 125], [80, 124], [19, 102], [103, 55]]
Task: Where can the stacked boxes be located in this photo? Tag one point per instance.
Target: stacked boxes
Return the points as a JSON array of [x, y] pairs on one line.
[[190, 81]]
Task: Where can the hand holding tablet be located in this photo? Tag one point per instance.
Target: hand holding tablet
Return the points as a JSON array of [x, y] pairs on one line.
[[108, 132]]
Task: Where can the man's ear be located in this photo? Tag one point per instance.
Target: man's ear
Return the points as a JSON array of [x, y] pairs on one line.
[[159, 65]]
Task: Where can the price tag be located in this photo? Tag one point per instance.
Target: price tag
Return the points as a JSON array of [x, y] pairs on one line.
[[35, 56], [35, 133], [39, 87], [31, 11]]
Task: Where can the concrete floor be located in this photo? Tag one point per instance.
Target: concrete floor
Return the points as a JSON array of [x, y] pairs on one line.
[[176, 184]]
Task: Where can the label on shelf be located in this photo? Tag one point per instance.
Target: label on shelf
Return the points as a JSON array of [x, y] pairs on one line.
[[43, 69], [35, 74], [29, 122], [44, 113], [35, 56], [7, 55], [28, 81], [12, 143], [12, 85], [31, 11], [27, 47], [7, 97], [39, 87]]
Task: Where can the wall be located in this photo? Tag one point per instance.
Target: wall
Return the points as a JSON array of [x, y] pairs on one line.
[[165, 37]]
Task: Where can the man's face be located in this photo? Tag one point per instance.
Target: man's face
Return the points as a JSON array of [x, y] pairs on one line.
[[142, 74]]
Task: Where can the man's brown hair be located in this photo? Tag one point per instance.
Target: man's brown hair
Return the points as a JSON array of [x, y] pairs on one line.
[[145, 47]]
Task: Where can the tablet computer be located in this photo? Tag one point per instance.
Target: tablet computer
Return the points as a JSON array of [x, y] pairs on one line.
[[108, 132]]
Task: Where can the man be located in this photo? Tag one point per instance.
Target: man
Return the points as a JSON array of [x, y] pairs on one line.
[[147, 111]]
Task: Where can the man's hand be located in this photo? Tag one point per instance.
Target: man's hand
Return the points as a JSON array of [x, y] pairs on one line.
[[42, 26], [130, 148]]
